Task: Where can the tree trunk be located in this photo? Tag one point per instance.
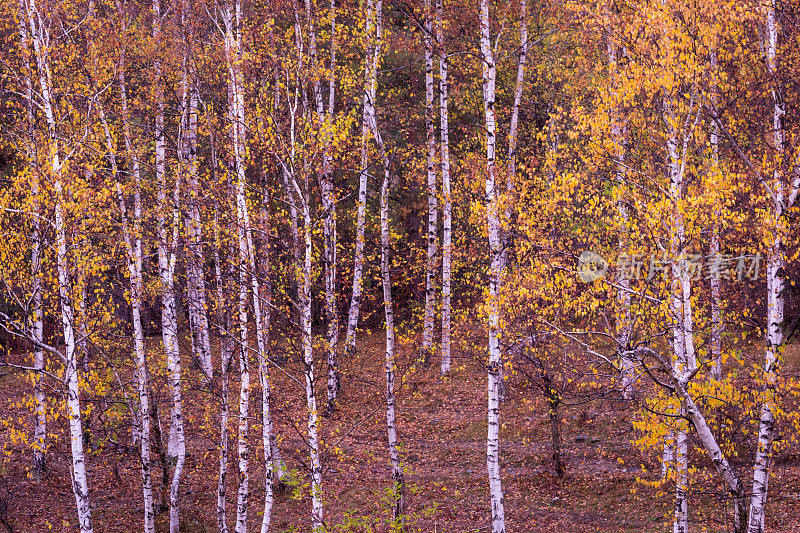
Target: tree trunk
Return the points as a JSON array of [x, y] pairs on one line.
[[776, 264], [176, 449], [226, 350], [447, 207], [133, 244], [398, 478], [80, 484], [195, 272], [681, 308], [555, 431], [493, 305], [39, 466], [432, 240], [370, 75], [234, 55], [714, 245]]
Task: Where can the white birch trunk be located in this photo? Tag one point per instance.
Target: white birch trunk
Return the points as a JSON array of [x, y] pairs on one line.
[[776, 264], [303, 271], [329, 228], [176, 448], [370, 75], [233, 52], [493, 306], [714, 245], [40, 38], [398, 478], [37, 328], [262, 296], [447, 207], [226, 350], [308, 360], [133, 245], [432, 239], [681, 308], [195, 274]]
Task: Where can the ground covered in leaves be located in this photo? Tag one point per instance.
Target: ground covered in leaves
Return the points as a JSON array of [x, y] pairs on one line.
[[442, 426]]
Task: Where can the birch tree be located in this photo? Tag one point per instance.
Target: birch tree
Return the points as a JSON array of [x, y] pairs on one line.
[[37, 249], [39, 21], [447, 205], [432, 239], [495, 250], [398, 478], [168, 232], [187, 155], [132, 237], [783, 192], [372, 16]]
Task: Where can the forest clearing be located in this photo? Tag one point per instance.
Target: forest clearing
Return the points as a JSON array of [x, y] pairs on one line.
[[399, 265]]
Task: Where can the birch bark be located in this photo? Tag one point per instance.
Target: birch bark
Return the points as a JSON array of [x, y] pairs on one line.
[[495, 250], [303, 270], [784, 196], [432, 239], [714, 245], [40, 38], [231, 15], [195, 272], [133, 246], [167, 243], [37, 329], [373, 9], [684, 362], [447, 207], [398, 478], [325, 118], [226, 351]]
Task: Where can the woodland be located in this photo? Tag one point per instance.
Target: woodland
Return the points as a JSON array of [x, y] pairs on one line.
[[399, 265]]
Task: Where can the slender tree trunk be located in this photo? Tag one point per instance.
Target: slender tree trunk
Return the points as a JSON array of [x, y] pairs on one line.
[[329, 228], [433, 220], [776, 264], [681, 307], [234, 54], [37, 329], [226, 351], [133, 245], [308, 360], [303, 272], [262, 296], [373, 9], [714, 245], [195, 272], [398, 478], [176, 448], [447, 207], [493, 307], [555, 432], [80, 484]]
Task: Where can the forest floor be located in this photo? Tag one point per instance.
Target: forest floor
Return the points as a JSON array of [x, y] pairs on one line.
[[442, 428]]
